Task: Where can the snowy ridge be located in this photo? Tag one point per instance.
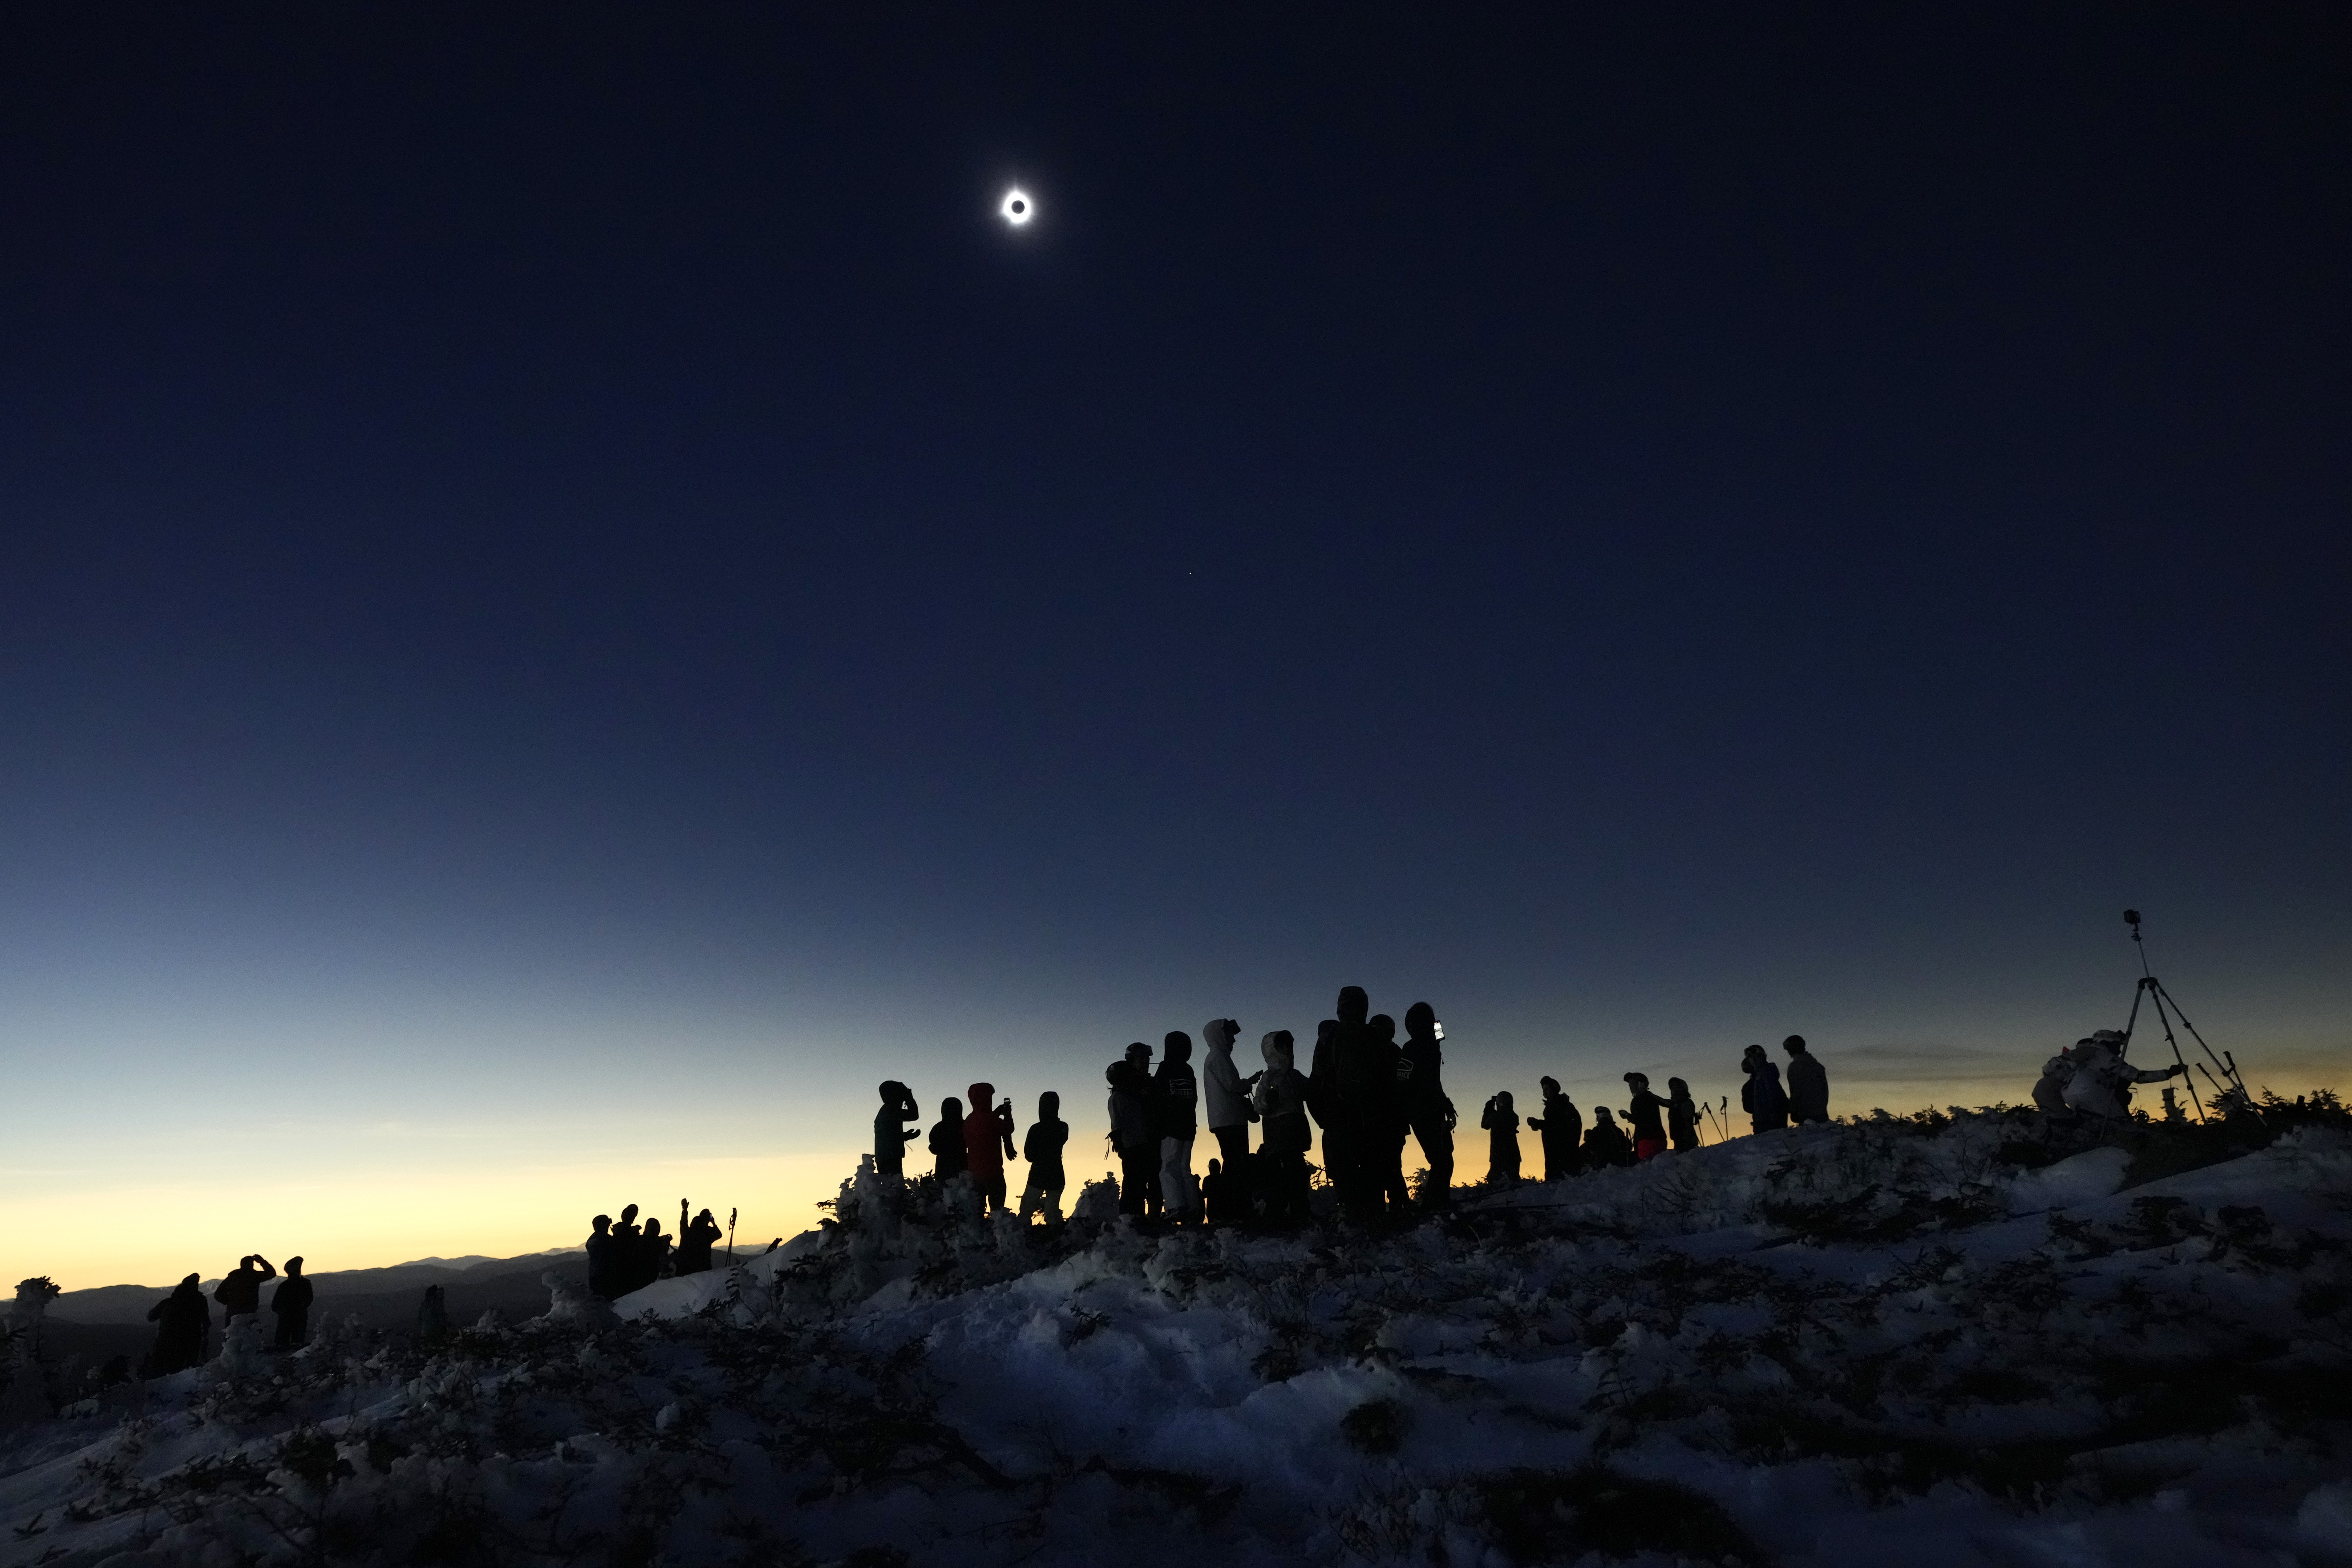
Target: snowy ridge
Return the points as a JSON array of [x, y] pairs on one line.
[[1950, 1340]]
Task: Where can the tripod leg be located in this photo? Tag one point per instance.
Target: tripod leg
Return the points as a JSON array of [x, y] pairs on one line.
[[2177, 1057]]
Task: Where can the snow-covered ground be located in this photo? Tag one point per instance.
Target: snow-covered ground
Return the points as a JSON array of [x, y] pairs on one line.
[[1933, 1342]]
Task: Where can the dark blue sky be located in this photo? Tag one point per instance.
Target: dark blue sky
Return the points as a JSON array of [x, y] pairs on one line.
[[1651, 528]]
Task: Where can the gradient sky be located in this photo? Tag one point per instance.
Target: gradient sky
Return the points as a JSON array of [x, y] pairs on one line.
[[570, 599]]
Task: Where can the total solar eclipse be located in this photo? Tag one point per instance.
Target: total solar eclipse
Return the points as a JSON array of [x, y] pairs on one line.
[[1016, 208]]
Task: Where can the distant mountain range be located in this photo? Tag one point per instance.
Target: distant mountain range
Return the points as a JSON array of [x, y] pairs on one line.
[[129, 1303]]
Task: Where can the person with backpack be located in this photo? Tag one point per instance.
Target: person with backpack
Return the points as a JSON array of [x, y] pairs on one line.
[[1042, 1192], [1280, 1100], [183, 1325], [1761, 1096], [1562, 1127], [1809, 1084], [1175, 1114], [1230, 1112], [1426, 1111]]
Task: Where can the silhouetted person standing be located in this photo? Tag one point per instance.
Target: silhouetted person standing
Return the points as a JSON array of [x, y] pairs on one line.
[[240, 1293], [1280, 1100], [1502, 1125], [987, 1144], [1042, 1147], [1761, 1096], [1809, 1086], [1227, 1093], [1682, 1116], [1421, 1093], [182, 1324], [1364, 1081], [1324, 1101], [1131, 1138], [1647, 1115], [1175, 1112], [291, 1304], [653, 1253], [604, 1253], [947, 1158], [891, 1136], [1562, 1127], [695, 1240], [432, 1316]]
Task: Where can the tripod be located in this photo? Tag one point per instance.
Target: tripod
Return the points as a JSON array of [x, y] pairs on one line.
[[2153, 990]]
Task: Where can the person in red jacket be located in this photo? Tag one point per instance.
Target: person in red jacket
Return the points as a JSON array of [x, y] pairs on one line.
[[988, 1144]]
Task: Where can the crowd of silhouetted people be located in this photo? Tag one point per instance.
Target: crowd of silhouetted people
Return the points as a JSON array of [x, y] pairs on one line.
[[1368, 1093], [184, 1318], [630, 1256]]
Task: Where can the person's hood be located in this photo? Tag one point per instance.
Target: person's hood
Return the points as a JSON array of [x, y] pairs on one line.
[[1219, 1033], [1049, 1105], [1421, 1021], [1275, 1048], [1352, 1005], [1177, 1047], [984, 1097]]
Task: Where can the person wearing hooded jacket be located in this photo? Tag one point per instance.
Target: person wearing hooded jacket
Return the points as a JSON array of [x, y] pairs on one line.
[[1280, 1100], [1230, 1112], [1421, 1093], [182, 1325], [1809, 1083], [1322, 1077], [1175, 1113], [987, 1144], [2103, 1080], [1131, 1138], [1562, 1126], [1761, 1096]]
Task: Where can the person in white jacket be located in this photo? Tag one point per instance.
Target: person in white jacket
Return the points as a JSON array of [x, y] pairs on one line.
[[1230, 1112], [2103, 1080]]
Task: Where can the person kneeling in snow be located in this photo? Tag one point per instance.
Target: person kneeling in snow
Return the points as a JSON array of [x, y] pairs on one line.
[[1502, 1125], [1042, 1149], [2103, 1080], [1606, 1144]]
